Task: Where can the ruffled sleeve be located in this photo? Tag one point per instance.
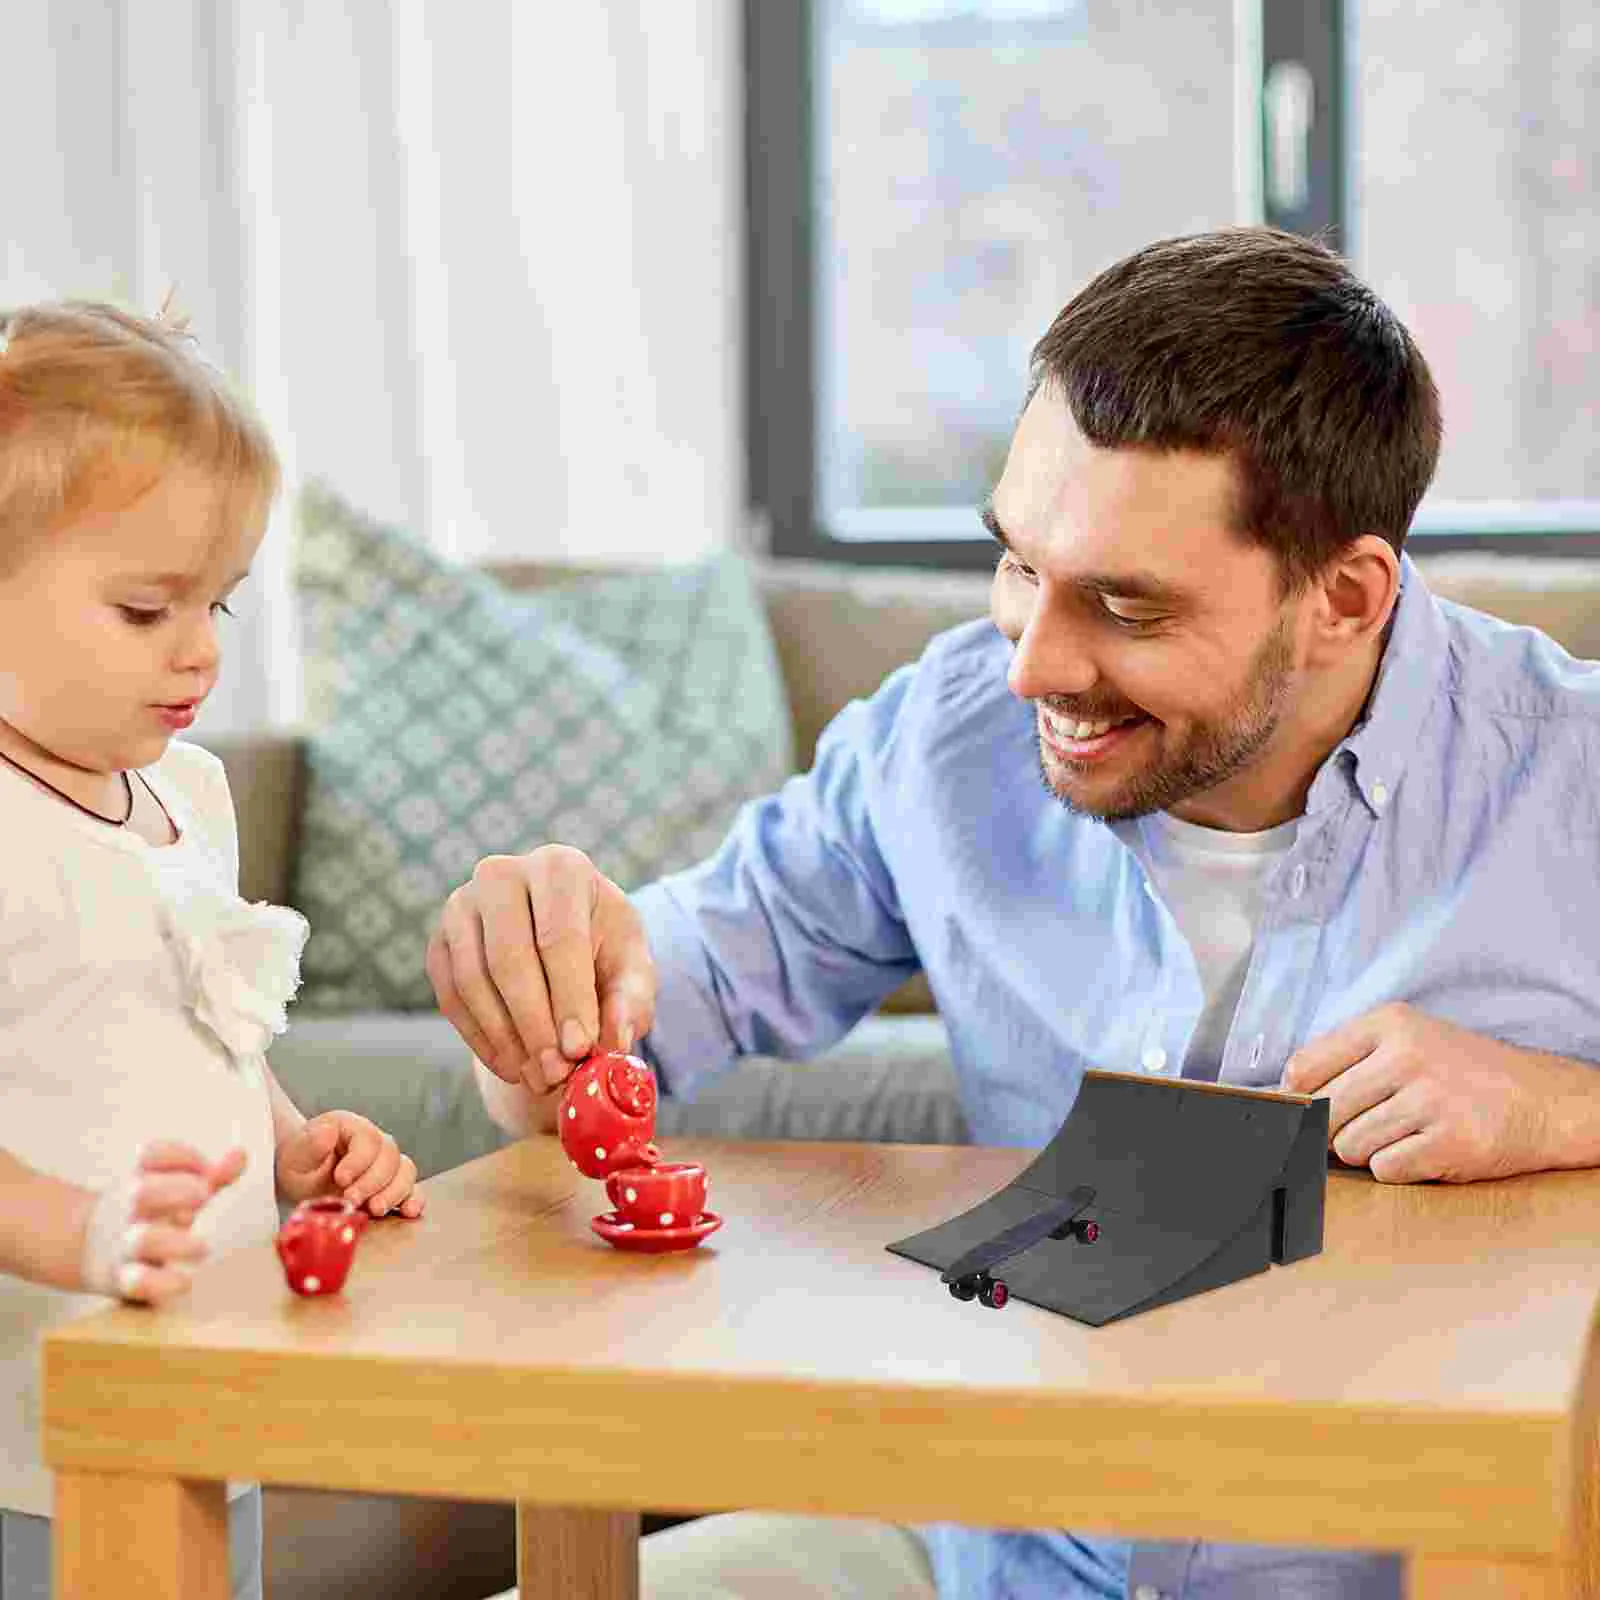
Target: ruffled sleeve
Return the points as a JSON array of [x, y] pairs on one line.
[[240, 966]]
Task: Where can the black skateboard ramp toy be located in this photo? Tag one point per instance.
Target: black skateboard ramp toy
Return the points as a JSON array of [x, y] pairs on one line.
[[1152, 1190]]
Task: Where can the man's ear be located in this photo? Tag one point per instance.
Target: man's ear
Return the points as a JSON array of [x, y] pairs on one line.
[[1357, 593]]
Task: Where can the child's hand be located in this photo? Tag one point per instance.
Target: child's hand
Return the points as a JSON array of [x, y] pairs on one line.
[[340, 1153], [138, 1244]]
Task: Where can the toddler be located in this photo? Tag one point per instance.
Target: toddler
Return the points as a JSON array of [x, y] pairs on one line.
[[141, 1129]]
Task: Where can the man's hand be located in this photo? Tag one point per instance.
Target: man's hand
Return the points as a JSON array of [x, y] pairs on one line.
[[539, 960], [1412, 1098], [340, 1153]]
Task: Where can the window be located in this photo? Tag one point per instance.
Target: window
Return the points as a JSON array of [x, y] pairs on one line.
[[930, 181]]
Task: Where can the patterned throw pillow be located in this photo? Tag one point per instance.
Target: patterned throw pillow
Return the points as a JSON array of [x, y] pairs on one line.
[[449, 718]]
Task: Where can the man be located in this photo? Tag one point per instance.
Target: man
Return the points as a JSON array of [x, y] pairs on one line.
[[1300, 823]]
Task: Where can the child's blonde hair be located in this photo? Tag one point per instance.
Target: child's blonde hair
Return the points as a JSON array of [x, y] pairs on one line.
[[96, 403]]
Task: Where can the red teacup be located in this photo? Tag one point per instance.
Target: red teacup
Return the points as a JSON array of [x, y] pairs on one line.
[[671, 1194], [608, 1115], [317, 1244]]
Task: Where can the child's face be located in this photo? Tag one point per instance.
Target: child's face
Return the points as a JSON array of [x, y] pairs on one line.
[[113, 617]]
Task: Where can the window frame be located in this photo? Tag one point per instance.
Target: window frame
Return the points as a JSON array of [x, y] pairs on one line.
[[780, 362]]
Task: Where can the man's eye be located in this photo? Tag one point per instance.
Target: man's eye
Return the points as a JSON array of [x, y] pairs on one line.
[[1122, 620]]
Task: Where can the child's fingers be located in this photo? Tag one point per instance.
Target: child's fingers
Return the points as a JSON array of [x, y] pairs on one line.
[[144, 1284], [404, 1181], [379, 1176], [309, 1152], [168, 1155], [227, 1169], [365, 1145], [413, 1205], [160, 1244], [169, 1196]]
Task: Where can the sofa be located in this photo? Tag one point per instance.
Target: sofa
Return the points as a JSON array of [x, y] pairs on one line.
[[838, 631]]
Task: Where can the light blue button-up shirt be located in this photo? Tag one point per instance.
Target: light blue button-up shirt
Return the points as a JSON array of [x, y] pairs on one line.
[[1449, 857]]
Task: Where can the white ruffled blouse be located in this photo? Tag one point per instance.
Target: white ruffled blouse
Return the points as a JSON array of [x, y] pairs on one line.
[[241, 968], [138, 995]]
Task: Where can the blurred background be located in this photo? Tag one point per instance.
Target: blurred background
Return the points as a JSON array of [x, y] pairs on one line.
[[626, 282]]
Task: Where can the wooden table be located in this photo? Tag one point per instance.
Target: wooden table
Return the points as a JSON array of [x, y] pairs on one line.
[[1426, 1384]]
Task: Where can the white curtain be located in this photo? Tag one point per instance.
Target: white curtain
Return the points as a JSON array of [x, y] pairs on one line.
[[478, 264]]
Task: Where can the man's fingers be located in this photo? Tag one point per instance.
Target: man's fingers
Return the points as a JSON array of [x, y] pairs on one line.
[[1364, 1134], [508, 973], [453, 1008], [624, 970], [462, 928], [1413, 1159], [561, 893], [1321, 1060], [628, 1011]]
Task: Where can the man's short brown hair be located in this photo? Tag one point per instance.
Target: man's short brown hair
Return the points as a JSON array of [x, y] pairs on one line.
[[1266, 346]]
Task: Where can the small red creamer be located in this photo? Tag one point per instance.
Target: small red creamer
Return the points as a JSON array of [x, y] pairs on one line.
[[317, 1243]]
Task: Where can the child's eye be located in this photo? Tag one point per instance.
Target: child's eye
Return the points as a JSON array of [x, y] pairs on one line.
[[1009, 563], [145, 619]]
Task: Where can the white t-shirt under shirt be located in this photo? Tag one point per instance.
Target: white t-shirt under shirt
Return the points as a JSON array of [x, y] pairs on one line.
[[138, 994], [1212, 882]]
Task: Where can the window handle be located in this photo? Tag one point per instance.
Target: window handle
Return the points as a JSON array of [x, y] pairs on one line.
[[1289, 102]]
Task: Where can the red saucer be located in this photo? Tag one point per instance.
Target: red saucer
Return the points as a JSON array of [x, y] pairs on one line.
[[653, 1241]]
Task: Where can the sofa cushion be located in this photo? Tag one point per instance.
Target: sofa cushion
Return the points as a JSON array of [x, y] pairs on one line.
[[450, 718]]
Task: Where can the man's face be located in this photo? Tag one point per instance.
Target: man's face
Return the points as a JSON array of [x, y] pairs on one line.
[[1131, 600]]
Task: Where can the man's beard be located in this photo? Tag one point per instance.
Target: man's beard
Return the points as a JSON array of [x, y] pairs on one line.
[[1214, 751]]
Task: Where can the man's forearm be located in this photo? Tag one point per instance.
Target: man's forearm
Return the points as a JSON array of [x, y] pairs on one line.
[[514, 1107]]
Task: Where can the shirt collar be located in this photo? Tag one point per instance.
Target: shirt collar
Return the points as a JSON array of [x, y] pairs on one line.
[[1375, 752]]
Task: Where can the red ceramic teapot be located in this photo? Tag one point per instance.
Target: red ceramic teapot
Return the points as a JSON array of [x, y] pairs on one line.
[[608, 1115], [317, 1243]]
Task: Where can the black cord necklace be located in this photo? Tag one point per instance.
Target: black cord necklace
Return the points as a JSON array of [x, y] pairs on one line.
[[110, 822]]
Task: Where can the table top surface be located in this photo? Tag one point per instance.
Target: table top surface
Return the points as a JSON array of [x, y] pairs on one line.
[[1467, 1299]]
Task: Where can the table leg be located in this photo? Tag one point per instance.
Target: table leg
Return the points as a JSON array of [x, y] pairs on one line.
[[567, 1554], [117, 1535], [1449, 1578]]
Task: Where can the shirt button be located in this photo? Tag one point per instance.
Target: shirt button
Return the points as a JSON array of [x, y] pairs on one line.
[[1147, 1591], [1297, 881], [1380, 795], [1257, 1044], [1149, 890], [1155, 1058]]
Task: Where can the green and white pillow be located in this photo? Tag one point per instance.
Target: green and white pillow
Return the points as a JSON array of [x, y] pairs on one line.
[[450, 718]]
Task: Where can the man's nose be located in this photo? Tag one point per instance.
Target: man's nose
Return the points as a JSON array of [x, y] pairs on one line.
[[1049, 659]]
